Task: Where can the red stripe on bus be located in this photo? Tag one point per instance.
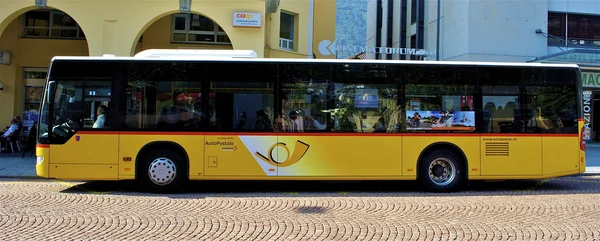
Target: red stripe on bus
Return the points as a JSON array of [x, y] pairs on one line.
[[42, 146], [320, 134]]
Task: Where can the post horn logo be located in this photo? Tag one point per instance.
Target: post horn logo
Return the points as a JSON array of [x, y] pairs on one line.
[[299, 150]]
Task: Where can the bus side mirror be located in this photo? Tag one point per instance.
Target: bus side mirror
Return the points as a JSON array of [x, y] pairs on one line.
[[51, 92]]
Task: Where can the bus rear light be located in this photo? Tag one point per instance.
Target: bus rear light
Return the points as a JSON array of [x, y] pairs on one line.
[[581, 139]]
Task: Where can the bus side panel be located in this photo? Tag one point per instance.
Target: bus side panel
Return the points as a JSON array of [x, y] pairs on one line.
[[132, 144], [237, 155], [86, 156], [510, 155], [560, 154], [415, 144], [351, 155]]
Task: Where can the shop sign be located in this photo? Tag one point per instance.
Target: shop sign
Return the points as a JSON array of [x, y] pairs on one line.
[[590, 79], [245, 19], [327, 47], [587, 114]]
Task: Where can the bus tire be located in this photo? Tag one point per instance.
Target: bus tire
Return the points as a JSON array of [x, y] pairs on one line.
[[441, 171], [163, 171]]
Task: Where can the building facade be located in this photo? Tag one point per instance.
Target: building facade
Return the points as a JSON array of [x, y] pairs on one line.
[[34, 31], [550, 31]]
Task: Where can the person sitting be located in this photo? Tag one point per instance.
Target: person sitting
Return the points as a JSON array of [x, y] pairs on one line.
[[101, 117], [8, 132], [316, 124]]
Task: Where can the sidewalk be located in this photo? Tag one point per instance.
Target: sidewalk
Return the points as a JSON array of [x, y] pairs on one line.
[[11, 165]]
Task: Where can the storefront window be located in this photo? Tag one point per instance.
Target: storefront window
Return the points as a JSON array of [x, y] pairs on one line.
[[33, 88]]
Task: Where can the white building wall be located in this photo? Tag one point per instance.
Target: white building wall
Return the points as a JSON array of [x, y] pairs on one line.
[[430, 28], [371, 26], [455, 30], [396, 26], [505, 30]]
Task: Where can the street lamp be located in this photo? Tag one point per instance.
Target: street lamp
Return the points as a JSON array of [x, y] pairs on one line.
[[41, 3], [185, 6], [548, 36]]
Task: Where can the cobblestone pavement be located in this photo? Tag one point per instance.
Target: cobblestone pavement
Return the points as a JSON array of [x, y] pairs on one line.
[[554, 209]]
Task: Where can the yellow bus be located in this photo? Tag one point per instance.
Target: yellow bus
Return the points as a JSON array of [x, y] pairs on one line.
[[165, 117]]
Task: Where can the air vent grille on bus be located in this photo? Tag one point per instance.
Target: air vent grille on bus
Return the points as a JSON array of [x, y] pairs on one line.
[[496, 149]]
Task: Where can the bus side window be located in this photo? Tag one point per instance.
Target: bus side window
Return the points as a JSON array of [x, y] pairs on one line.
[[241, 100]]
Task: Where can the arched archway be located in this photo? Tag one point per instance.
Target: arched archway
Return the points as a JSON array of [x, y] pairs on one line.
[[183, 30], [33, 36]]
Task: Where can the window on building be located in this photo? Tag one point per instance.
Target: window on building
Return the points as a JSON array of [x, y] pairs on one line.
[[51, 24], [576, 29], [194, 28], [33, 80], [413, 11], [286, 31]]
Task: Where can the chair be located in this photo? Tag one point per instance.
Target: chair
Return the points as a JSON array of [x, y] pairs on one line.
[[14, 141], [31, 141]]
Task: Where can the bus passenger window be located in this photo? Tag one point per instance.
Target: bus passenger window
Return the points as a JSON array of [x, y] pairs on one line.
[[440, 99], [164, 97], [305, 103], [552, 101], [241, 100], [502, 112]]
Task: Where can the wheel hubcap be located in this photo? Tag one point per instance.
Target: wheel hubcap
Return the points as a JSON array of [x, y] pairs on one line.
[[442, 171], [162, 171]]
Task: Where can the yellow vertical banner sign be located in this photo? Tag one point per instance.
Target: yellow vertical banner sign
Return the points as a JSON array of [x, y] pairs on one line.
[[587, 114]]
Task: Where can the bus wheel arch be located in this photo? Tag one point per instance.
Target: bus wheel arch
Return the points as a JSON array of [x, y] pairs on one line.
[[447, 157], [167, 154]]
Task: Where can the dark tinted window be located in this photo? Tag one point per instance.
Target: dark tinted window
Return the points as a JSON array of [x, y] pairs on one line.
[[363, 98], [552, 97], [503, 104], [163, 96], [83, 99], [242, 97], [307, 97], [439, 98]]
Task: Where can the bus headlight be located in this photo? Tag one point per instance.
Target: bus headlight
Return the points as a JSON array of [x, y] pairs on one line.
[[39, 160]]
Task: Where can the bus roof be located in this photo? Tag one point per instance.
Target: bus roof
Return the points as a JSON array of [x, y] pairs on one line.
[[217, 58]]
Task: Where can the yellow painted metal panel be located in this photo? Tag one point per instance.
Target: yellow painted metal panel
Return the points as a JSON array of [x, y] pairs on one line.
[[83, 171], [84, 148], [511, 155], [368, 155], [560, 154], [236, 155], [413, 145], [131, 144]]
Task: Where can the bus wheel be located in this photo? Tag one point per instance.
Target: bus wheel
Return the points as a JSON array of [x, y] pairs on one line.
[[441, 171], [163, 171]]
